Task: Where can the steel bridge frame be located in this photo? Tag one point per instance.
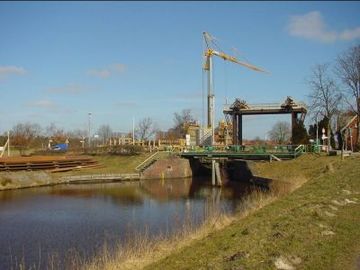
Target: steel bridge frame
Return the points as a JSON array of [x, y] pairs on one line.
[[234, 113]]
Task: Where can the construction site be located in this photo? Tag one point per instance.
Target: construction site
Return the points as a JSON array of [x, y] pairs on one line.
[[209, 142], [186, 135], [211, 145]]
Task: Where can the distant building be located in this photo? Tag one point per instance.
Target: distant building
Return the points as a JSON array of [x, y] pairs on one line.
[[349, 132], [223, 134], [192, 129]]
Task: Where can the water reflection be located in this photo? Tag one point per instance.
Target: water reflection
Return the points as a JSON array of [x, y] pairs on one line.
[[166, 190], [82, 217]]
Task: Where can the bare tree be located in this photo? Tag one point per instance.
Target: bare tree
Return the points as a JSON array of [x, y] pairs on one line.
[[145, 128], [104, 132], [180, 119], [23, 134], [78, 137], [348, 70], [57, 134], [325, 97], [280, 132], [78, 134]]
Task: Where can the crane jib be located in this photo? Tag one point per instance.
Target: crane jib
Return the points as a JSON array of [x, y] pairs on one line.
[[209, 52]]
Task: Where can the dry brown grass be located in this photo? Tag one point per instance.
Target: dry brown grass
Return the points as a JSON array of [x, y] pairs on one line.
[[140, 250]]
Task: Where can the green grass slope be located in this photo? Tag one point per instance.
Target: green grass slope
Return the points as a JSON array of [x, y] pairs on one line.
[[315, 227]]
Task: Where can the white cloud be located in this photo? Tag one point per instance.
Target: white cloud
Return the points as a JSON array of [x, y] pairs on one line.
[[103, 73], [44, 103], [350, 34], [49, 106], [5, 71], [119, 68], [312, 26], [71, 88]]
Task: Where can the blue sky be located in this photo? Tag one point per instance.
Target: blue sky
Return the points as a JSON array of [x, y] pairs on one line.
[[119, 60]]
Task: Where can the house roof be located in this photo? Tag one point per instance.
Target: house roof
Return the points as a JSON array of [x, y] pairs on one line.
[[349, 123]]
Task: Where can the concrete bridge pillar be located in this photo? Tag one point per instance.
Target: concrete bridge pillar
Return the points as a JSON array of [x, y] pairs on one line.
[[215, 173]]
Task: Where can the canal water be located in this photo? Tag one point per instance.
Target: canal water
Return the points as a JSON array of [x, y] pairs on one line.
[[39, 223]]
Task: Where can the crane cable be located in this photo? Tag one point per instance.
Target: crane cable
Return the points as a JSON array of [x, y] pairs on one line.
[[216, 45], [226, 82], [203, 86]]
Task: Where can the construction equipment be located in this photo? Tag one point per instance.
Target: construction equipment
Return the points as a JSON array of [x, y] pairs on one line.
[[209, 53]]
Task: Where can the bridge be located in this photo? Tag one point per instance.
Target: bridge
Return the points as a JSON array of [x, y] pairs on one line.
[[256, 153], [216, 162], [234, 113]]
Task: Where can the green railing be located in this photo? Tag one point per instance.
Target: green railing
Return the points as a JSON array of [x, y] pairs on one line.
[[299, 150], [281, 151]]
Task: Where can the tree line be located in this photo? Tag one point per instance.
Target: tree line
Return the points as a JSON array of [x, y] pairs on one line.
[[334, 94], [31, 135], [334, 98]]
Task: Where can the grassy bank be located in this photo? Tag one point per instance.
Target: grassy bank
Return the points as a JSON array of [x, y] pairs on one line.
[[114, 164], [314, 227], [110, 164]]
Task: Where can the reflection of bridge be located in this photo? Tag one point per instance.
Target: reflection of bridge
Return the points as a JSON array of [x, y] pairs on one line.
[[235, 112]]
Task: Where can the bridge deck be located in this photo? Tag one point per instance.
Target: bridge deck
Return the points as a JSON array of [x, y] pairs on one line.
[[240, 155]]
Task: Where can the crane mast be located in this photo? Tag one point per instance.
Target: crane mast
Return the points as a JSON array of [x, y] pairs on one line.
[[208, 67]]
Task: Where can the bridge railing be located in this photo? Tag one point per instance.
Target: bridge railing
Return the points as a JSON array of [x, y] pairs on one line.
[[151, 159], [299, 150], [257, 149]]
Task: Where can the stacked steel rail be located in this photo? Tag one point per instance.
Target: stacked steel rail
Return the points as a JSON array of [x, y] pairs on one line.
[[45, 163]]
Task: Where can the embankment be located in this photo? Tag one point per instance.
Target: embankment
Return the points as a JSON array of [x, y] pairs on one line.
[[171, 167], [311, 225], [24, 179], [315, 227], [114, 168]]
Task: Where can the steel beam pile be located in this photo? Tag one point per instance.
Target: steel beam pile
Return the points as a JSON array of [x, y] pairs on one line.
[[44, 163]]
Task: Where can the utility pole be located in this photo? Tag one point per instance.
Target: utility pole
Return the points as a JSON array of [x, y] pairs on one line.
[[133, 131], [89, 131], [317, 131], [8, 152]]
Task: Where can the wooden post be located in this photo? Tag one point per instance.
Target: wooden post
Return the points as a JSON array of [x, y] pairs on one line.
[[8, 133]]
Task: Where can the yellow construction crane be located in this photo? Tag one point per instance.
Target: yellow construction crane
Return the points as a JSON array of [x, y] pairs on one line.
[[209, 53]]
